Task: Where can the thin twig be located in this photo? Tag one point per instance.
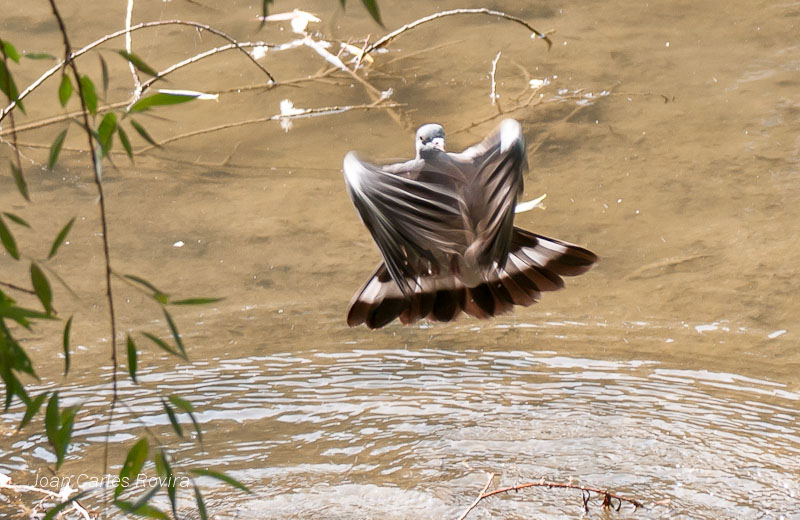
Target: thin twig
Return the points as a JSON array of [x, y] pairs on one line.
[[18, 288], [104, 224], [117, 34], [478, 499], [394, 34]]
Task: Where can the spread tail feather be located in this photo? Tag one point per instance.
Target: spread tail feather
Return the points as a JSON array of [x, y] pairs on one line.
[[535, 264]]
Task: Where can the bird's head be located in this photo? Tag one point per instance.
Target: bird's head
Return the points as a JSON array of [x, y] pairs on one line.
[[430, 137]]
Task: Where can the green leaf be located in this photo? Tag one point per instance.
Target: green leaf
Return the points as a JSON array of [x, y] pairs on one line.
[[42, 288], [172, 418], [126, 143], [22, 186], [187, 407], [104, 71], [175, 334], [105, 132], [59, 427], [38, 56], [8, 240], [16, 219], [142, 281], [60, 507], [65, 89], [89, 94], [67, 329], [9, 310], [161, 343], [141, 507], [160, 99], [165, 472], [201, 505], [9, 50], [223, 477], [8, 86], [196, 301], [134, 462], [138, 62], [33, 406], [132, 358], [62, 236], [55, 149], [143, 133], [372, 7]]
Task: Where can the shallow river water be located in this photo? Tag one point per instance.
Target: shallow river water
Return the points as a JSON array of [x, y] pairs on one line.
[[667, 139]]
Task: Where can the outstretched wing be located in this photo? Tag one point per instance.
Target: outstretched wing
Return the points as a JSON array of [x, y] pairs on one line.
[[497, 164], [413, 222]]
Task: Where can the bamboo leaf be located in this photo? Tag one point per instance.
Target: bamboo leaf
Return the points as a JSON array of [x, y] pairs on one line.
[[9, 50], [201, 505], [104, 71], [19, 179], [42, 288], [132, 358], [138, 62], [165, 472], [141, 507], [161, 343], [17, 220], [8, 240], [8, 86], [89, 94], [38, 56], [196, 301], [55, 149], [160, 99], [134, 462], [33, 407], [187, 407], [143, 133], [126, 143], [172, 418], [62, 236], [145, 283], [60, 507], [67, 329], [175, 334], [223, 477], [65, 89], [372, 7], [105, 132]]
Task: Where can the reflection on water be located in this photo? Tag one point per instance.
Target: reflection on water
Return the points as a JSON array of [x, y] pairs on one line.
[[666, 140], [395, 433]]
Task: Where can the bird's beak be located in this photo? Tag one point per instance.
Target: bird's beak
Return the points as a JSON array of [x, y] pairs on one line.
[[438, 143]]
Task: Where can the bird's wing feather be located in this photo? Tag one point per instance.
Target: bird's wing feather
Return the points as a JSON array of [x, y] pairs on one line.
[[412, 221], [498, 163]]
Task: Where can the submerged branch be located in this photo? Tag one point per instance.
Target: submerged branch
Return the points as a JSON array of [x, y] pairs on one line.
[[608, 497], [300, 113]]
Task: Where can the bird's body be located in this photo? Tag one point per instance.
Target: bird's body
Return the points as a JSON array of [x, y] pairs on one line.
[[444, 225]]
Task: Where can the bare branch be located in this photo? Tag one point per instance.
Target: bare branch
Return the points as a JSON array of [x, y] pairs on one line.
[[74, 55], [490, 12]]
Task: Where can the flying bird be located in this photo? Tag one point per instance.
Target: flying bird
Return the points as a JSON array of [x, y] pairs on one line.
[[444, 225]]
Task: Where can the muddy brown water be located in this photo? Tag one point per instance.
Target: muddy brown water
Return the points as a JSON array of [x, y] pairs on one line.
[[667, 140]]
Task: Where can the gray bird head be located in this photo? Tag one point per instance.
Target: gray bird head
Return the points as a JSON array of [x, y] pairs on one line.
[[430, 137]]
